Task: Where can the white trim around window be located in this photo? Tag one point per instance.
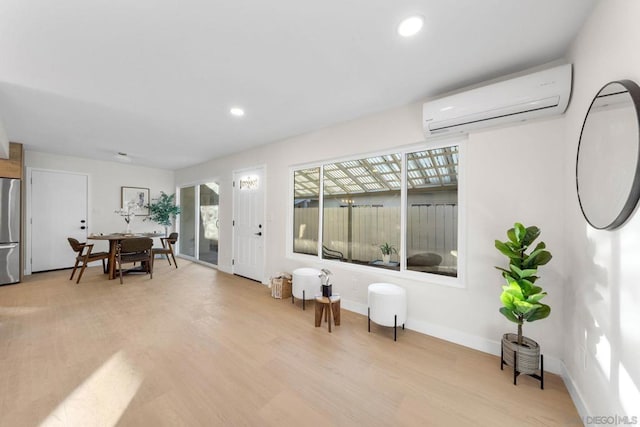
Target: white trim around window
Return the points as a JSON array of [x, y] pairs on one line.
[[458, 281]]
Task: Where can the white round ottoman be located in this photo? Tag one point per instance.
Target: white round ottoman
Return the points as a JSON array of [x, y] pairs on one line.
[[387, 306], [305, 284]]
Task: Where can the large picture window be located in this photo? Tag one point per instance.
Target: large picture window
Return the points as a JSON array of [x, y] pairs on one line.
[[396, 211], [432, 211], [361, 210]]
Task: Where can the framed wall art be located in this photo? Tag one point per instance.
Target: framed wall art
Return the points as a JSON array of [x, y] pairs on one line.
[[136, 200]]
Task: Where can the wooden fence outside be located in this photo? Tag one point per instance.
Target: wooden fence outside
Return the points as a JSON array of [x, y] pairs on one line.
[[430, 228]]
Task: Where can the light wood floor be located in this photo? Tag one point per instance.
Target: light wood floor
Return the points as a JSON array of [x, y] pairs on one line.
[[197, 347]]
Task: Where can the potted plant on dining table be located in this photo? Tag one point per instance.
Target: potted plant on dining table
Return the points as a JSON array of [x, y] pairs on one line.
[[127, 212]]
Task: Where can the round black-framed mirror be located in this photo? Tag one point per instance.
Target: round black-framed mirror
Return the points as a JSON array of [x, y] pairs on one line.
[[608, 159]]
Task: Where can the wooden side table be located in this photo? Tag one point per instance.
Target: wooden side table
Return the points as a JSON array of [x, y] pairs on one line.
[[330, 306]]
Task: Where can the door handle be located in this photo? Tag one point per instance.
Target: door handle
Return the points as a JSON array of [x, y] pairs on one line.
[[258, 233], [9, 246]]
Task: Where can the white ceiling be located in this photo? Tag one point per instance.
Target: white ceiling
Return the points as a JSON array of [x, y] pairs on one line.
[[156, 78]]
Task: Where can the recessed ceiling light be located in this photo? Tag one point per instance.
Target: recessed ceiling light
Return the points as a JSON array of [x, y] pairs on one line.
[[411, 26], [236, 111]]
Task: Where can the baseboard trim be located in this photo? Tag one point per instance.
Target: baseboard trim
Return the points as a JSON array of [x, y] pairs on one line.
[[225, 269], [551, 364], [575, 394], [353, 306]]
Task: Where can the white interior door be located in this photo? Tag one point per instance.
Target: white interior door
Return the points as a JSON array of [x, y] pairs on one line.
[[249, 224], [58, 204]]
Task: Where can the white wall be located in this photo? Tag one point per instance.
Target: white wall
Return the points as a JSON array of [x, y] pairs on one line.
[[602, 287], [512, 174], [521, 173], [105, 180]]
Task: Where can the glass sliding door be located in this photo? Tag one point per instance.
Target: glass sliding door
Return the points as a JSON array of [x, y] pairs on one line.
[[199, 226], [187, 238], [208, 226]]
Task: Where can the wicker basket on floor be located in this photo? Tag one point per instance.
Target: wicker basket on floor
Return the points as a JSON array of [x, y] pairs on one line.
[[281, 287], [528, 353]]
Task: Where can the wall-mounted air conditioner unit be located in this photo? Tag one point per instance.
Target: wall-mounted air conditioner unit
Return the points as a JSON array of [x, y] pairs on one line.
[[543, 93]]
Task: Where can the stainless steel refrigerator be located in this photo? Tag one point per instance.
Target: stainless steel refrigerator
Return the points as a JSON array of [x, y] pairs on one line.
[[9, 231]]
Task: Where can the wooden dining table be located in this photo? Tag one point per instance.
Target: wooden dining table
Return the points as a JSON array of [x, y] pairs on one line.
[[114, 239]]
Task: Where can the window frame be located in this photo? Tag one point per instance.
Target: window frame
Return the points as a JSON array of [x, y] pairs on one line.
[[458, 282]]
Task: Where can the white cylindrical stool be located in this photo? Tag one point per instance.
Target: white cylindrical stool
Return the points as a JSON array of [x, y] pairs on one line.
[[387, 306], [305, 284]]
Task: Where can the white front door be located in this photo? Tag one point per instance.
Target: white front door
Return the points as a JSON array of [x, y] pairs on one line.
[[248, 223], [58, 203]]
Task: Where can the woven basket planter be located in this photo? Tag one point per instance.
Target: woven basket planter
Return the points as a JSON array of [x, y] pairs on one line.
[[528, 353]]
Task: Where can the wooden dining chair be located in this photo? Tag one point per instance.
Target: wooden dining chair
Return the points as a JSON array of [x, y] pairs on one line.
[[85, 255], [134, 250], [167, 247]]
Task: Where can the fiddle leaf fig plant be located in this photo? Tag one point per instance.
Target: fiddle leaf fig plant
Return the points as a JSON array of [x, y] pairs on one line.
[[520, 296], [163, 210]]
